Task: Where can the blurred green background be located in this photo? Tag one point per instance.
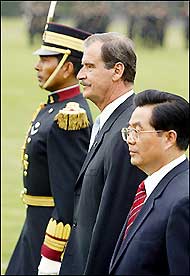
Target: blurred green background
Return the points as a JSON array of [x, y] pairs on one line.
[[164, 68]]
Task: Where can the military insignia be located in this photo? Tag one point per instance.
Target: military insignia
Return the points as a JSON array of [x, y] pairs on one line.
[[50, 110], [72, 117], [35, 128], [51, 99], [27, 138]]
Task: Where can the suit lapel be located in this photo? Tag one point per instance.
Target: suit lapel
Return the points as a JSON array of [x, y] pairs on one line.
[[106, 127], [122, 244], [145, 211]]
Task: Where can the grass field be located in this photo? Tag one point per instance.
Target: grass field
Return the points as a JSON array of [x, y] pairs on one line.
[[165, 69]]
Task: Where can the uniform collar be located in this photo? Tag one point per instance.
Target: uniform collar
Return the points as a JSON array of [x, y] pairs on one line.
[[64, 94]]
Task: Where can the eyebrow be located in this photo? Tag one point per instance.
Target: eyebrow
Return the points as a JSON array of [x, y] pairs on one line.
[[135, 124], [88, 63]]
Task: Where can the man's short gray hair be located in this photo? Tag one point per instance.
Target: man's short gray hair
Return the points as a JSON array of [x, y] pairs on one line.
[[116, 48]]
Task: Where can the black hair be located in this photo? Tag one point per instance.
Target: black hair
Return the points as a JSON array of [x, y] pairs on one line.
[[75, 61], [171, 112]]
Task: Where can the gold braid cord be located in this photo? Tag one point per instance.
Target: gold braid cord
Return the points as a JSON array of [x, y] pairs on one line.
[[72, 117]]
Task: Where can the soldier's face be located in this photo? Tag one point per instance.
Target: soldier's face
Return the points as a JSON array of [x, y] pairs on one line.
[[45, 67], [95, 78]]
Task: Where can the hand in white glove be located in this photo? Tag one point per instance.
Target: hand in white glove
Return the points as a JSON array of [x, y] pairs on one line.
[[48, 267]]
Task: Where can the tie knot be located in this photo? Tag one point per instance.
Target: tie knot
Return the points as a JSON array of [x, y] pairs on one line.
[[95, 130], [141, 187]]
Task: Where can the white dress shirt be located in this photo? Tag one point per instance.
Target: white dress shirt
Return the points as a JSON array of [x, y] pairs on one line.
[[105, 114], [152, 180], [109, 109]]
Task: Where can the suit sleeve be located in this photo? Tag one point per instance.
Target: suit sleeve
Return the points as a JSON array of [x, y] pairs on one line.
[[121, 181], [177, 239], [66, 151]]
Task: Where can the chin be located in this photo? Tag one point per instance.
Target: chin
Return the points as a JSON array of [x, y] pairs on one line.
[[86, 94], [137, 163], [41, 83], [134, 161]]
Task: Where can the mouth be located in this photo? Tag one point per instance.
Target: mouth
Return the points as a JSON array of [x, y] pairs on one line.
[[39, 78], [85, 85], [132, 152]]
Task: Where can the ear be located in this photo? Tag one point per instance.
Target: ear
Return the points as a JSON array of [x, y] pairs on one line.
[[171, 137], [67, 69], [118, 71]]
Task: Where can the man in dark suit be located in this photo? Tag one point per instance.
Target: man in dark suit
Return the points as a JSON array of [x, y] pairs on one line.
[[156, 242], [53, 153], [107, 182]]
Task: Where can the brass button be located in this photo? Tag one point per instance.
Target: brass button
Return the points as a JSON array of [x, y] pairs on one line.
[[25, 173], [24, 191], [74, 224], [26, 156]]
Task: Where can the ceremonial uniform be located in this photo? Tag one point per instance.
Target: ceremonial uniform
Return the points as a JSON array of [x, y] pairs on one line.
[[52, 154], [52, 158]]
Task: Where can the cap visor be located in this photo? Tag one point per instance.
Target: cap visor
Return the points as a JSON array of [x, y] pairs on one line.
[[43, 52]]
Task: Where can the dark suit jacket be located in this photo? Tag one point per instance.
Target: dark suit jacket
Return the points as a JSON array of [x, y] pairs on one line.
[[104, 192], [158, 241]]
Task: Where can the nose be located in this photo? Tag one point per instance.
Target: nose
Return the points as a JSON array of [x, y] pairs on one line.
[[81, 74], [36, 67], [130, 140]]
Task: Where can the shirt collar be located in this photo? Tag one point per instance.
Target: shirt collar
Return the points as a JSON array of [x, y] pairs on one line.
[[109, 109], [153, 180]]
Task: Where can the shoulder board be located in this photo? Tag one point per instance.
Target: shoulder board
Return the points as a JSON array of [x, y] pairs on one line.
[[72, 117]]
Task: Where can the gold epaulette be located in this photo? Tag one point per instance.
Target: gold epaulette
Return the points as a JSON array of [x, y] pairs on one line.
[[72, 117]]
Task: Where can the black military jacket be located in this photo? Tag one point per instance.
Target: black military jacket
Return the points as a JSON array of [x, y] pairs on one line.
[[52, 158]]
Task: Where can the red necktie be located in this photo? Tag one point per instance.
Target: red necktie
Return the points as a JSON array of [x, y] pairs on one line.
[[137, 205]]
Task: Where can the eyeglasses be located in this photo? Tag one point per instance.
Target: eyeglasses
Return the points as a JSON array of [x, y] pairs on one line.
[[134, 133]]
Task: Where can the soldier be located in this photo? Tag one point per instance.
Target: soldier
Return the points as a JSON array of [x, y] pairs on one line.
[[34, 14], [93, 18], [53, 153]]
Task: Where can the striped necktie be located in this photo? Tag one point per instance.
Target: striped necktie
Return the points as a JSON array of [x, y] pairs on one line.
[[136, 207], [95, 129]]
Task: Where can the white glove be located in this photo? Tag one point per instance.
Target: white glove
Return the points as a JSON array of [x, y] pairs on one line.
[[48, 267]]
